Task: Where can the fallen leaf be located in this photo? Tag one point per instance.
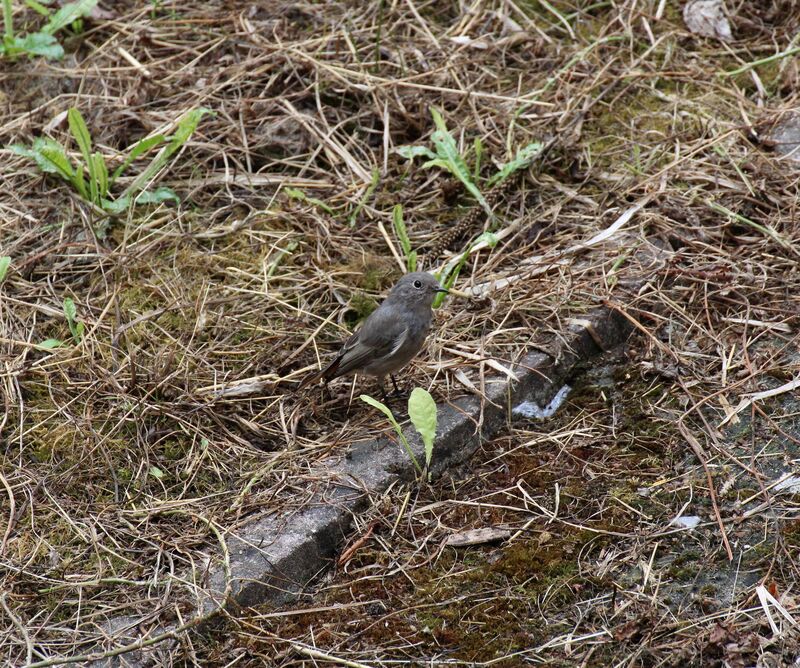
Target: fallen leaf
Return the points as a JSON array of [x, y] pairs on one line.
[[707, 18], [477, 536]]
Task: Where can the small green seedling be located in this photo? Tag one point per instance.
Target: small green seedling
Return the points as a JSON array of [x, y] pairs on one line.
[[90, 176], [42, 43], [423, 413], [300, 196], [402, 237], [448, 158], [71, 314]]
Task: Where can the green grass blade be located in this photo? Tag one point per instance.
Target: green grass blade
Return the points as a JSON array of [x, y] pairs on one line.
[[423, 413]]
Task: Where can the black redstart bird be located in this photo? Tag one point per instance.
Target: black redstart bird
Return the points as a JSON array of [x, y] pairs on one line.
[[391, 336]]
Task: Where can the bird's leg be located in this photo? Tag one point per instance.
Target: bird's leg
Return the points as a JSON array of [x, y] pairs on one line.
[[384, 396], [394, 382]]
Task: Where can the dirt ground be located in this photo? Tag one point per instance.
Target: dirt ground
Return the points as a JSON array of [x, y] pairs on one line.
[[653, 521]]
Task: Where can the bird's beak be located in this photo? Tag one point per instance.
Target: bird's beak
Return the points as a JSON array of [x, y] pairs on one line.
[[441, 289]]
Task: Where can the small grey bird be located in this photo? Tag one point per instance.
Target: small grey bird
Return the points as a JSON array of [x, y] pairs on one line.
[[391, 335]]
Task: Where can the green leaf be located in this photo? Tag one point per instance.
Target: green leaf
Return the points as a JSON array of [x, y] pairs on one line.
[[489, 238], [156, 472], [411, 152], [161, 194], [422, 411], [116, 206], [5, 263], [186, 126], [400, 229], [300, 196], [388, 413], [34, 44], [68, 14], [77, 126], [383, 408], [411, 261], [525, 156], [101, 174], [49, 344], [71, 314], [49, 155], [478, 144], [141, 147]]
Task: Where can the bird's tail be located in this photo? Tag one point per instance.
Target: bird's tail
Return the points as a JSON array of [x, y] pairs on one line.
[[325, 374]]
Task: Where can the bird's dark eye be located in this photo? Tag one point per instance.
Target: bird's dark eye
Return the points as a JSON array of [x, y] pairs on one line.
[[417, 284]]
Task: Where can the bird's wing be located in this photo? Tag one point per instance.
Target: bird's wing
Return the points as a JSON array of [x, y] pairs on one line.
[[380, 336]]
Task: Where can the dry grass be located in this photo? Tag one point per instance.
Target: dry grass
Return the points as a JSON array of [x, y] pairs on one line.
[[117, 466]]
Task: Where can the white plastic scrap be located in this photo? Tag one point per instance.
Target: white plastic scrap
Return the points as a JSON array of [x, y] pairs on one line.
[[686, 521], [530, 409]]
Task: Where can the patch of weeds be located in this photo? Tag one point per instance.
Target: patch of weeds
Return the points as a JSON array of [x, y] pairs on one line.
[[91, 179], [43, 42], [447, 157]]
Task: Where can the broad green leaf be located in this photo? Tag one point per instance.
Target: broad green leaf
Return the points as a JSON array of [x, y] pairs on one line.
[[49, 344], [422, 411], [411, 152], [34, 44], [49, 156], [162, 194], [116, 206], [68, 14], [141, 147], [156, 472], [5, 263], [525, 156]]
